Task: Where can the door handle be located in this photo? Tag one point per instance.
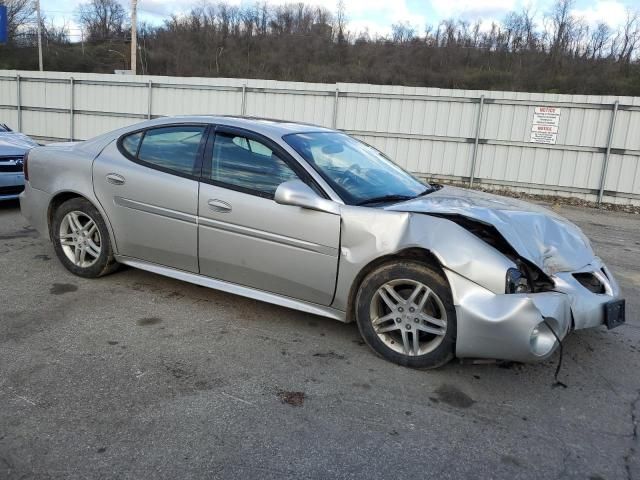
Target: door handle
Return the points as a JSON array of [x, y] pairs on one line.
[[219, 206], [115, 179]]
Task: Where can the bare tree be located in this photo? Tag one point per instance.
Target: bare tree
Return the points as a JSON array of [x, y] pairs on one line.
[[562, 24], [102, 19], [403, 32], [301, 42], [520, 30], [341, 23], [630, 37], [600, 36], [20, 13]]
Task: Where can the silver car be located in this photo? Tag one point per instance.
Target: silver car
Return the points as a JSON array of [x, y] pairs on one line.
[[313, 219], [13, 147]]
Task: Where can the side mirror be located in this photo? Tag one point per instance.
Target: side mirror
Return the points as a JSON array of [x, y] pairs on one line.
[[299, 194]]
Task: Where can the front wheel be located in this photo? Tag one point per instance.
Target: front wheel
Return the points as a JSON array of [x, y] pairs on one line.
[[81, 239], [405, 313]]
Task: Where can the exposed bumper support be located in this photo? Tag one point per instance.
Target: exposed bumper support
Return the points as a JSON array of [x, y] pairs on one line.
[[501, 326]]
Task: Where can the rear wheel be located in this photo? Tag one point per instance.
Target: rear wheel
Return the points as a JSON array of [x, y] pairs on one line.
[[405, 313], [81, 239]]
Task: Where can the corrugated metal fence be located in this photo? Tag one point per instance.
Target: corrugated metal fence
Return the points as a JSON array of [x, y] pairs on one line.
[[465, 136]]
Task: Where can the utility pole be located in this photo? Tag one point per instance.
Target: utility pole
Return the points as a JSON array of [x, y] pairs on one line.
[[39, 35], [134, 35]]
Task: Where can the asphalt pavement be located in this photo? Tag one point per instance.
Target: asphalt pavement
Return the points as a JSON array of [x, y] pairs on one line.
[[139, 376]]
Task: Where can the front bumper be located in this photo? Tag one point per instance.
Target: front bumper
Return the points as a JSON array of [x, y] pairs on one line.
[[11, 185], [501, 326]]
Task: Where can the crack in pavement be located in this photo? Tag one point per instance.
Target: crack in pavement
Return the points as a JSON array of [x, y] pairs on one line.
[[635, 404]]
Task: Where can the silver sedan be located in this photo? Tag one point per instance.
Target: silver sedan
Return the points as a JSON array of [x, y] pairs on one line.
[[313, 219]]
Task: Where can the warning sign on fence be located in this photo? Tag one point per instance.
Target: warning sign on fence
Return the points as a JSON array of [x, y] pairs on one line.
[[544, 128]]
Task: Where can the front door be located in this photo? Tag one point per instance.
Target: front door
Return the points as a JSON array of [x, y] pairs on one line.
[[147, 183], [245, 237]]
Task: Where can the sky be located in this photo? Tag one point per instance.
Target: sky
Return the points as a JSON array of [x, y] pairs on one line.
[[376, 16]]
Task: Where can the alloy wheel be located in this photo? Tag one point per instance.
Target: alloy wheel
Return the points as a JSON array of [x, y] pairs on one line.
[[408, 317], [80, 239]]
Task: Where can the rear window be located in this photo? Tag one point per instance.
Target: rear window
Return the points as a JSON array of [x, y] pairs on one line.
[[173, 148]]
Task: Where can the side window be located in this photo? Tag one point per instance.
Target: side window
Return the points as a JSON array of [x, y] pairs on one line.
[[172, 148], [130, 143], [248, 164]]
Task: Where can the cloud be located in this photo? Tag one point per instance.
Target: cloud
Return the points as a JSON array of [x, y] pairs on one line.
[[473, 9], [377, 16], [612, 12], [163, 8], [373, 28]]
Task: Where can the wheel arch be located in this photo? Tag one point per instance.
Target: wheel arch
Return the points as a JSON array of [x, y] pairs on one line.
[[417, 254], [60, 197]]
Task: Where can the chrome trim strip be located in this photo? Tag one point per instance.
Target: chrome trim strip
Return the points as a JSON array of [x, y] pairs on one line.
[[267, 236], [155, 210], [236, 289]]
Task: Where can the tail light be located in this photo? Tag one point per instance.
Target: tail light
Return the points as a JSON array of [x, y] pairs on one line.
[[25, 165]]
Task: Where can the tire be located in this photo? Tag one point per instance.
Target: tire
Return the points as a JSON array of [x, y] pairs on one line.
[[98, 259], [393, 335]]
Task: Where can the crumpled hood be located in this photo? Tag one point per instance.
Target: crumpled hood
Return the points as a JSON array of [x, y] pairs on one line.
[[539, 235], [12, 143]]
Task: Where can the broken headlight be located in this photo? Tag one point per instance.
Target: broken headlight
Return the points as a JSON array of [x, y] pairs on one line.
[[517, 282]]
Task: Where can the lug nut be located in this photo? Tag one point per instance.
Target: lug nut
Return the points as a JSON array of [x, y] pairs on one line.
[[398, 320], [412, 309], [417, 320], [400, 309], [408, 327]]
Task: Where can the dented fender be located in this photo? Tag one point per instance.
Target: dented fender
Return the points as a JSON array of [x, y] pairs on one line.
[[368, 234]]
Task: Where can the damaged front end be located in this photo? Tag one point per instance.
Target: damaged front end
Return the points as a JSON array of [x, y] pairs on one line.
[[521, 276], [523, 324]]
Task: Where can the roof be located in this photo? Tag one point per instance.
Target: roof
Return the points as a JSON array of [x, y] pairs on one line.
[[271, 128], [265, 126]]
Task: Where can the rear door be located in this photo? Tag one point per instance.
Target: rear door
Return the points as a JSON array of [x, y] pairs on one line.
[[147, 182], [245, 237]]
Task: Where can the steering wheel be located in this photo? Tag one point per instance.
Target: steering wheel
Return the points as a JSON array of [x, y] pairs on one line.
[[350, 176]]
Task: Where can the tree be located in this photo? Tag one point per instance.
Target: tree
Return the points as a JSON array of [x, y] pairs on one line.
[[563, 24], [19, 14], [600, 36], [300, 42], [102, 19], [630, 37], [402, 32]]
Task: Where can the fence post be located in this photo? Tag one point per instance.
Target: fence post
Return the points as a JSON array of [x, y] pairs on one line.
[[334, 121], [149, 89], [243, 101], [475, 143], [607, 153], [19, 102], [71, 108]]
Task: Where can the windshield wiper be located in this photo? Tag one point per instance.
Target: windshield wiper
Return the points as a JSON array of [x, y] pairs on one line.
[[385, 198], [394, 198], [425, 192]]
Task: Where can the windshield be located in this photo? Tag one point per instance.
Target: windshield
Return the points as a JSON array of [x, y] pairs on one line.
[[356, 171]]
